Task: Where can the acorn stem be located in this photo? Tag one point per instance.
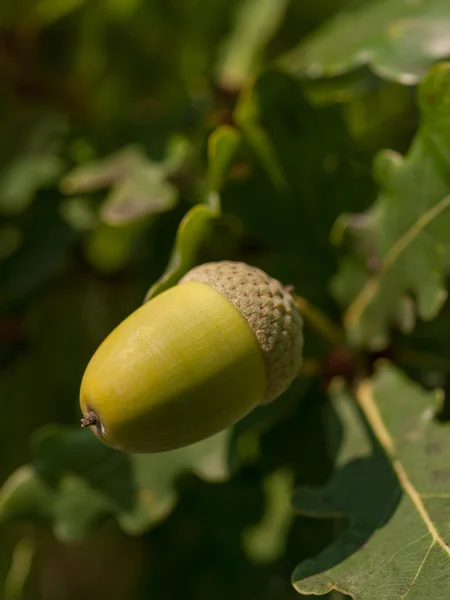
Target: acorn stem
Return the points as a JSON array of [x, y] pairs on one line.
[[322, 324], [90, 420]]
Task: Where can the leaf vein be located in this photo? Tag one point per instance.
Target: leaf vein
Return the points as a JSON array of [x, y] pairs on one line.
[[418, 570], [368, 292], [389, 560], [370, 409], [434, 495]]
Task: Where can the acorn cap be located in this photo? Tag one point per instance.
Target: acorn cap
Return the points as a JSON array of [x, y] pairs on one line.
[[270, 311]]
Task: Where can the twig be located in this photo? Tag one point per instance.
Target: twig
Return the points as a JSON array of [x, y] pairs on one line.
[[320, 322]]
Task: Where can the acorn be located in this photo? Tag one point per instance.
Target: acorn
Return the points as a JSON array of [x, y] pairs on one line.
[[193, 360]]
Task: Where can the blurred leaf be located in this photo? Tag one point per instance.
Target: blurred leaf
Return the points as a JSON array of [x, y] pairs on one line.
[[109, 248], [21, 565], [191, 233], [222, 146], [121, 9], [177, 152], [75, 481], [256, 21], [407, 248], [36, 165], [139, 187], [265, 542], [79, 213], [247, 523], [23, 178], [49, 11], [392, 485], [56, 335], [247, 116], [397, 39]]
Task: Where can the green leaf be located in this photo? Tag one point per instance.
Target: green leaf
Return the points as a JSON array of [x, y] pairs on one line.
[[391, 484], [139, 187], [79, 213], [36, 166], [397, 39], [23, 556], [47, 12], [109, 248], [256, 21], [222, 147], [248, 117], [75, 482], [406, 248], [191, 233], [265, 542], [22, 179]]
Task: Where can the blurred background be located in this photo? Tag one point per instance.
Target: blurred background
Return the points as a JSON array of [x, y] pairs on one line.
[[107, 109]]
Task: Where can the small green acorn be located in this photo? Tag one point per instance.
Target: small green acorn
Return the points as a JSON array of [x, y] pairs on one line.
[[193, 360]]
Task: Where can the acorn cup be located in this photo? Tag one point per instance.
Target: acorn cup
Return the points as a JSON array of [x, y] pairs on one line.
[[193, 360]]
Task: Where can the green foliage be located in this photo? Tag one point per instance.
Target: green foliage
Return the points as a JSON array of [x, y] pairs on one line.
[[403, 242], [138, 139], [391, 484], [193, 228], [75, 481], [399, 40], [139, 187]]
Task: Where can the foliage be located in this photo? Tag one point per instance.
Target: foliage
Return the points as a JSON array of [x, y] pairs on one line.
[[309, 139]]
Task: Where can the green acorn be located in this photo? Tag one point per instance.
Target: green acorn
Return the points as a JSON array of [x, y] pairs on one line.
[[193, 360]]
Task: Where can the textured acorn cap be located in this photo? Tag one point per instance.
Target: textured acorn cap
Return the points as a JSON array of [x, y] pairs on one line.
[[270, 311]]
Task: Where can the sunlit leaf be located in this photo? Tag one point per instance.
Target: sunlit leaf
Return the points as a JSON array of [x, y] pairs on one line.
[[391, 484], [49, 11], [256, 22], [397, 39], [191, 233], [138, 187], [406, 247]]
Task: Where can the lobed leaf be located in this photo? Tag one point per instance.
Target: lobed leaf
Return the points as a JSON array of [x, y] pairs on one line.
[[391, 484], [401, 257]]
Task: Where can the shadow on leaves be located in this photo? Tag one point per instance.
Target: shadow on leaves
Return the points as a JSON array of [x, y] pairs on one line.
[[364, 491]]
